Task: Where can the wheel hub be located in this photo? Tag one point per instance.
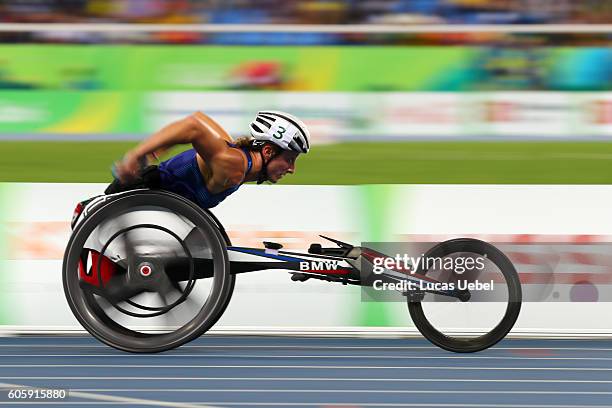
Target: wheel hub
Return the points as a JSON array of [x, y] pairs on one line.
[[145, 269]]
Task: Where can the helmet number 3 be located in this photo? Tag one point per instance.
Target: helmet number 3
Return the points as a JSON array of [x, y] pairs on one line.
[[281, 130]]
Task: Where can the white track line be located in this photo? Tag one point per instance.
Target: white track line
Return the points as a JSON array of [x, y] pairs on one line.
[[341, 391], [107, 398], [308, 28], [385, 404], [259, 367], [143, 402], [243, 346], [168, 356], [309, 347], [326, 404], [434, 380]]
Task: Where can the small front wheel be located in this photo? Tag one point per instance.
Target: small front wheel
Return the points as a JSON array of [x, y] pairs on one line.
[[490, 300]]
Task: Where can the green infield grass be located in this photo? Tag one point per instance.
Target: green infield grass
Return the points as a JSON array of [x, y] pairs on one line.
[[350, 163]]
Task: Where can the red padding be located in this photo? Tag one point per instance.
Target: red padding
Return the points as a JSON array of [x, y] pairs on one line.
[[107, 269]]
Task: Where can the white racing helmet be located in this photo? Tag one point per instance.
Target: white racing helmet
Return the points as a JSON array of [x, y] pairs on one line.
[[282, 129]]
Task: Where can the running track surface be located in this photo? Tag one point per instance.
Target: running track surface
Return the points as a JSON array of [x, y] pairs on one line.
[[238, 371]]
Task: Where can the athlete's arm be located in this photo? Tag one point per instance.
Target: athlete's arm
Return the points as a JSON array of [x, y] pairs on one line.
[[207, 137], [198, 129]]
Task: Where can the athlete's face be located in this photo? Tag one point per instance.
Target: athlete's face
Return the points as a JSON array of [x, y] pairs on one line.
[[282, 164]]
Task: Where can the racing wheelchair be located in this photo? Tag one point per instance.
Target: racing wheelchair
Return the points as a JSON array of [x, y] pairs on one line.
[[147, 270]]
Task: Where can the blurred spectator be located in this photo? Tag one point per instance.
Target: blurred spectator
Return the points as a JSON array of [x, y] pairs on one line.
[[307, 11], [244, 12]]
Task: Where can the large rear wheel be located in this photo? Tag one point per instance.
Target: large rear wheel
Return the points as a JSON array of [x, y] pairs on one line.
[[147, 272]]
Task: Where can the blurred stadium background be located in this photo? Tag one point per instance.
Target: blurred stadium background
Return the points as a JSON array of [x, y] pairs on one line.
[[395, 91]]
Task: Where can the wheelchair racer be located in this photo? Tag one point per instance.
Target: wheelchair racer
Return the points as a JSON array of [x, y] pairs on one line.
[[216, 166]]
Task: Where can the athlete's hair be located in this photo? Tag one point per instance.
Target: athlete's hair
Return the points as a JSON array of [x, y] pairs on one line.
[[244, 141], [247, 142]]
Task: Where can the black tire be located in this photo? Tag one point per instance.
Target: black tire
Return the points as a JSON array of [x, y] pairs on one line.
[[91, 315], [460, 344], [232, 284], [232, 281]]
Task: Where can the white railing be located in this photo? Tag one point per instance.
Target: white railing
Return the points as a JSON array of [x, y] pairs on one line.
[[308, 28]]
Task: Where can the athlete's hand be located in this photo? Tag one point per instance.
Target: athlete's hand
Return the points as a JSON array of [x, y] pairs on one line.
[[128, 168]]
